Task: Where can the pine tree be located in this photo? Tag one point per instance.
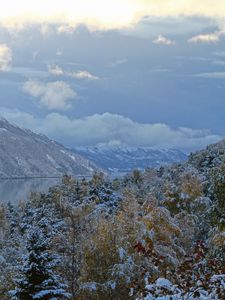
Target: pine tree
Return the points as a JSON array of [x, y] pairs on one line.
[[38, 279]]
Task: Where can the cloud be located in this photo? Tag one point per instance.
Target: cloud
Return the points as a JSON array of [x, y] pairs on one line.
[[219, 62], [53, 95], [219, 53], [207, 38], [212, 75], [84, 75], [162, 40], [5, 57], [59, 52], [57, 71], [117, 63], [65, 29], [150, 27], [103, 14], [112, 129]]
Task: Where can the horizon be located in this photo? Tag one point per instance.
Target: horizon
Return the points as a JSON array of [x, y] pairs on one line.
[[111, 147]]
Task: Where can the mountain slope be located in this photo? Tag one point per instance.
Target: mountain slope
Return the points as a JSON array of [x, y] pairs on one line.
[[212, 156], [26, 154], [118, 159]]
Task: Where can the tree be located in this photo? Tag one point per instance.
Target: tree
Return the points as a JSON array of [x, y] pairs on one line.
[[38, 278], [71, 241], [218, 196]]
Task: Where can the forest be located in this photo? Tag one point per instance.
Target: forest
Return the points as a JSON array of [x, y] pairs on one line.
[[157, 234]]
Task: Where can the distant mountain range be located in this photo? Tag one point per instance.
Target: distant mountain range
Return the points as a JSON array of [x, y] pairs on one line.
[[122, 160], [26, 154]]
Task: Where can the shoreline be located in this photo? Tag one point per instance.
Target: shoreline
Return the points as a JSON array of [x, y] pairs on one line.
[[29, 177], [41, 177]]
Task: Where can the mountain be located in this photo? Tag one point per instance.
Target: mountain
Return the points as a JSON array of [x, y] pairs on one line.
[[212, 156], [122, 160], [24, 153], [207, 161]]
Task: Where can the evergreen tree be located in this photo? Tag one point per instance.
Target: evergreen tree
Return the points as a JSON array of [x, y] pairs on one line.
[[38, 279]]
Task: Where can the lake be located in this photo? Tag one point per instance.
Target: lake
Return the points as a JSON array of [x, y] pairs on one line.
[[14, 190]]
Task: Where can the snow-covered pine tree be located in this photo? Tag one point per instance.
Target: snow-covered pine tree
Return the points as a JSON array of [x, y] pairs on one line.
[[38, 278]]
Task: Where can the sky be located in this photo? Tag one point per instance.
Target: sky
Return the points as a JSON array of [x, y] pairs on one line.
[[115, 73]]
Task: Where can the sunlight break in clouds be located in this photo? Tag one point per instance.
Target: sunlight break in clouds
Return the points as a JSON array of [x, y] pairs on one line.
[[5, 57], [104, 14], [53, 95], [99, 13]]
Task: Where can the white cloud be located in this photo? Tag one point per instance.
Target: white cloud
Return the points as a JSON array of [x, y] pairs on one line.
[[212, 75], [53, 95], [65, 29], [162, 40], [111, 129], [207, 38], [83, 75], [5, 57], [57, 71]]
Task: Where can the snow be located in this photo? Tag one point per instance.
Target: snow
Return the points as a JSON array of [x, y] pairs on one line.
[[41, 294], [51, 159], [126, 159], [165, 283], [122, 253], [3, 130], [92, 286]]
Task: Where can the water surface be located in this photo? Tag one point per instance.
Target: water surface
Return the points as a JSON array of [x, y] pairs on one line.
[[14, 190]]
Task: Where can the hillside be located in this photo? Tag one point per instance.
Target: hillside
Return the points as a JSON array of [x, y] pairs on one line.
[[26, 154], [211, 157]]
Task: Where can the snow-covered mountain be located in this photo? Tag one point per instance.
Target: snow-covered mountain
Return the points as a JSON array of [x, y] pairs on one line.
[[27, 154], [120, 159], [207, 159]]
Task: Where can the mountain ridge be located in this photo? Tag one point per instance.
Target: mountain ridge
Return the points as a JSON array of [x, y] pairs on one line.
[[125, 159], [24, 153]]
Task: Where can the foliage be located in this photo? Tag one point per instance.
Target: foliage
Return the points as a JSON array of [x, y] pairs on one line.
[[157, 234], [37, 279]]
